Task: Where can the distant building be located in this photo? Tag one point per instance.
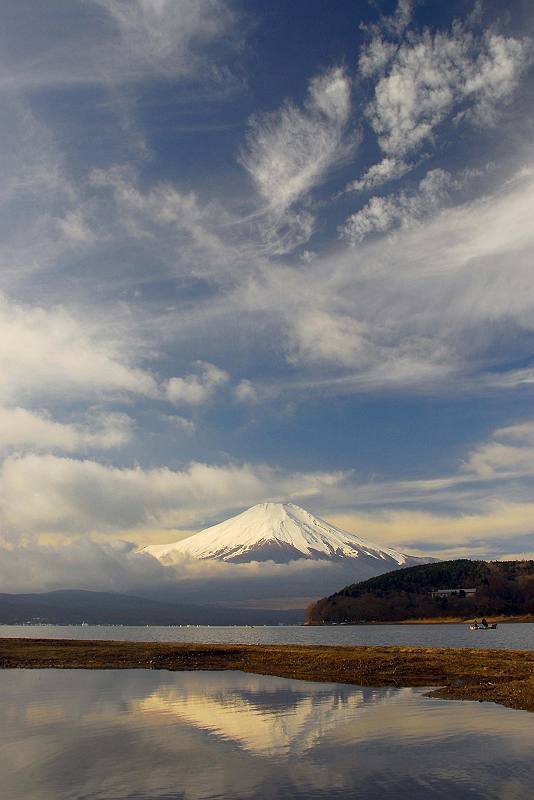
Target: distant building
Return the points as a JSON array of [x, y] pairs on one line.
[[452, 592]]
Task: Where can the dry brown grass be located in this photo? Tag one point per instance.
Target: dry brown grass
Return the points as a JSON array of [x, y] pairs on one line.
[[501, 676]]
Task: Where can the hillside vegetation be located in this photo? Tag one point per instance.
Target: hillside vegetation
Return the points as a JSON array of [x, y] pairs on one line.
[[502, 588]]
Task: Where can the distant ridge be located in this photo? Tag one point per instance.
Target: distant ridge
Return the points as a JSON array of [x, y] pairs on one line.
[[72, 607], [283, 532]]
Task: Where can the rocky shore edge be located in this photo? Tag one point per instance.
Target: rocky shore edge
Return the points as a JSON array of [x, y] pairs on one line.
[[505, 677]]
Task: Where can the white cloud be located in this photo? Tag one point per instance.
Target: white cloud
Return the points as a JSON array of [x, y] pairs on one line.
[[512, 379], [386, 170], [246, 392], [182, 423], [50, 352], [382, 213], [82, 563], [183, 232], [431, 76], [375, 56], [23, 429], [290, 151], [197, 389], [30, 566], [114, 41], [41, 214], [46, 493], [413, 309], [165, 34], [325, 339], [320, 337], [75, 228], [509, 453]]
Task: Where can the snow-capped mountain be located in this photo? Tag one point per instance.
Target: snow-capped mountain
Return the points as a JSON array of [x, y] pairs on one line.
[[282, 532]]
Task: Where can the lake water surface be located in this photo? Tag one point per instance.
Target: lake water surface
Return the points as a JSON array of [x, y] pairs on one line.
[[517, 636], [138, 734]]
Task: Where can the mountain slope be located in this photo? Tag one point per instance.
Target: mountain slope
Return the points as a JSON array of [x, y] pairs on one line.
[[433, 591], [280, 532]]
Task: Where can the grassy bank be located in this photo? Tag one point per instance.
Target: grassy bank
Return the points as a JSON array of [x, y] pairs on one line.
[[501, 676]]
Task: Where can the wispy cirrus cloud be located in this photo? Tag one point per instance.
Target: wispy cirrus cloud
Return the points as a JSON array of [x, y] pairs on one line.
[[290, 151], [111, 42], [168, 36], [407, 314]]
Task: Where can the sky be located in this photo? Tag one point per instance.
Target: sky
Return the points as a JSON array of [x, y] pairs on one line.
[[263, 252]]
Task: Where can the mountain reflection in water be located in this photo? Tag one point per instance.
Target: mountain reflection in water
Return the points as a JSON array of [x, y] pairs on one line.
[[140, 734]]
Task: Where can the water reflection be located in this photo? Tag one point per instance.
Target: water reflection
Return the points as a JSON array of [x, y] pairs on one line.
[[140, 734]]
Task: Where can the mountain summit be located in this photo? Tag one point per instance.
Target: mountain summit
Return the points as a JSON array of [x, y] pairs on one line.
[[281, 532]]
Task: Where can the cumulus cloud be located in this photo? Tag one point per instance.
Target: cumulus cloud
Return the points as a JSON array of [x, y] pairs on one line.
[[46, 493], [72, 496], [433, 75], [246, 392], [119, 567], [80, 564], [197, 389], [182, 423], [83, 362], [24, 429], [43, 494]]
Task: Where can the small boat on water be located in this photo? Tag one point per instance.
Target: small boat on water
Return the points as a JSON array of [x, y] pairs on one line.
[[491, 627]]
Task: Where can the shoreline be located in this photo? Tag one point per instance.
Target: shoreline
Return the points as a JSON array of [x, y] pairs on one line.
[[505, 677], [501, 620]]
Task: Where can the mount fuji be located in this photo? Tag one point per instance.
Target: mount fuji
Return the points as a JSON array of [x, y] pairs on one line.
[[283, 533]]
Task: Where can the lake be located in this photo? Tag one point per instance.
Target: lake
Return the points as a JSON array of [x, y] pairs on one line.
[[516, 636], [138, 734]]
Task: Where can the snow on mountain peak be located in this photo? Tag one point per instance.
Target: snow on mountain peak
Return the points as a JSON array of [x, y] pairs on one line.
[[279, 532]]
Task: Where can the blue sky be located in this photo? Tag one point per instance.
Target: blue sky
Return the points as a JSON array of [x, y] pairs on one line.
[[261, 252]]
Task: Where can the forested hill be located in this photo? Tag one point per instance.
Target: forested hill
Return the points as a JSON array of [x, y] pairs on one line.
[[502, 587]]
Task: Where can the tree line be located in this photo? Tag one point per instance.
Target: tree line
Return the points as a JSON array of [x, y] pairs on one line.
[[502, 588]]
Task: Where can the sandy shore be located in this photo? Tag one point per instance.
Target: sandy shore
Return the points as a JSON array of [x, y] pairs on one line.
[[501, 676]]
